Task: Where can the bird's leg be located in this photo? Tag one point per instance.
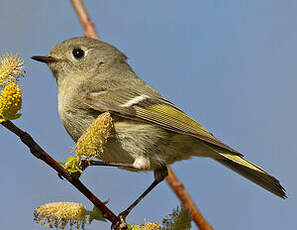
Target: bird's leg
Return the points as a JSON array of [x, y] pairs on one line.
[[160, 175]]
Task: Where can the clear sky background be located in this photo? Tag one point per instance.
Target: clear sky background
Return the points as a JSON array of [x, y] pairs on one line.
[[231, 65]]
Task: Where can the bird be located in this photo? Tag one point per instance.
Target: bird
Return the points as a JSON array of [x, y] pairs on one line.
[[150, 132]]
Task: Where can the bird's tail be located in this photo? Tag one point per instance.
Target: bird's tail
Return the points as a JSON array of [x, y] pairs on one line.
[[250, 171]]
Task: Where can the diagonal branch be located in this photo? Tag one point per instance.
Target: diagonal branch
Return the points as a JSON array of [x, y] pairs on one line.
[[38, 152], [85, 21], [181, 192]]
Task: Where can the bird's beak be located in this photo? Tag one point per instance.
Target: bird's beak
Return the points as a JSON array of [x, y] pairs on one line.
[[45, 59]]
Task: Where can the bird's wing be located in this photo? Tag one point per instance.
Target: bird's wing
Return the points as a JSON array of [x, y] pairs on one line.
[[154, 110], [158, 111]]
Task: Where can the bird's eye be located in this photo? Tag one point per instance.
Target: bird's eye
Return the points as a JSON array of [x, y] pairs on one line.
[[78, 53]]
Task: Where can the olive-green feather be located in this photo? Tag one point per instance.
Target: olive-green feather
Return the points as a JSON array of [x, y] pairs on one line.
[[178, 118], [160, 112], [171, 118]]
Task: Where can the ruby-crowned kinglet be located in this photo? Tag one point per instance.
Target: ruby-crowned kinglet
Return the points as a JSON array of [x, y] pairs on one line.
[[150, 132]]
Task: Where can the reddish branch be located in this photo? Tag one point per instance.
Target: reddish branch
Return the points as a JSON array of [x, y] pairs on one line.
[[185, 198], [38, 152], [172, 180], [84, 19]]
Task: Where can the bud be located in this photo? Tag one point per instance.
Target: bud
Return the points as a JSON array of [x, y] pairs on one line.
[[91, 143], [11, 68], [151, 226], [59, 214], [10, 102]]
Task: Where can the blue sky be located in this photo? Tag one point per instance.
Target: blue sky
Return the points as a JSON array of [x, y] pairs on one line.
[[231, 65]]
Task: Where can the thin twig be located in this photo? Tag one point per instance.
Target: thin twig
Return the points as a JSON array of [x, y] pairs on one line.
[[184, 196], [171, 179], [38, 152], [119, 165], [85, 21]]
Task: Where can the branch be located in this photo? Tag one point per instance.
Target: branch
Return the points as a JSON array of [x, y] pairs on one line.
[[185, 198], [84, 19], [38, 152], [171, 179]]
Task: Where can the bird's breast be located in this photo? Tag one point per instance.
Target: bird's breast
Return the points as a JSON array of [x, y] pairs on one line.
[[75, 117]]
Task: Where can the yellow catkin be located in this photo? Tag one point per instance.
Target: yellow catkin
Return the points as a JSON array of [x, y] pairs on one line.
[[59, 214], [11, 68], [151, 226], [91, 143], [10, 102]]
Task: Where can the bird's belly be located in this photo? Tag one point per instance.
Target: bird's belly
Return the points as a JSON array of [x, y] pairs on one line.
[[135, 140]]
